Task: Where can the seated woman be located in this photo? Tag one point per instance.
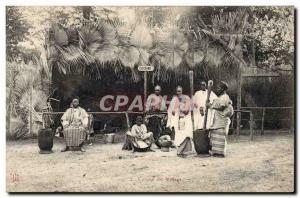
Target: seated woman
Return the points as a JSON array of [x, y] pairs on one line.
[[75, 123], [139, 138]]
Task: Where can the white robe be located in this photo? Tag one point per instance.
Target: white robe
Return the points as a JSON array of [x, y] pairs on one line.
[[183, 127], [75, 116], [199, 101]]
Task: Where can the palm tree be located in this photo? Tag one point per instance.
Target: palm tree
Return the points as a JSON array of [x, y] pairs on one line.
[[27, 85], [96, 45]]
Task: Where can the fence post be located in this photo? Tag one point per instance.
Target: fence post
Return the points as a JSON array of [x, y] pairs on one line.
[[251, 125], [191, 77], [43, 120], [239, 102], [292, 121], [30, 112], [127, 120], [262, 121]]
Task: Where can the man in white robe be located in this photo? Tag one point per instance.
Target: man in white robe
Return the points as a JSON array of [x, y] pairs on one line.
[[75, 123], [199, 101], [179, 118], [139, 137]]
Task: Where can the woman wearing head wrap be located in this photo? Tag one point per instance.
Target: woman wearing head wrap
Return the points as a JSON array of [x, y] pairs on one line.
[[223, 111]]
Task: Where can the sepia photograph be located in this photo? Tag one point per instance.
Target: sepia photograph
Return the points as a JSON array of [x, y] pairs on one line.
[[142, 99]]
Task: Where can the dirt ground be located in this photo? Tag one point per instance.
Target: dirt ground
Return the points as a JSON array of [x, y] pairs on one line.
[[263, 165]]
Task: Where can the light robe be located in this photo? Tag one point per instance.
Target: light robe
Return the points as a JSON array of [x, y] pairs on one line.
[[181, 122], [75, 122], [199, 100], [75, 117], [142, 138]]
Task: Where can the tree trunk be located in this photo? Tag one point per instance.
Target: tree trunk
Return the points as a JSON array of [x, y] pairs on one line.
[[11, 87], [86, 12]]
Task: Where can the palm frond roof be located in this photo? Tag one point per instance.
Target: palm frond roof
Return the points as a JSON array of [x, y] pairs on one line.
[[95, 44]]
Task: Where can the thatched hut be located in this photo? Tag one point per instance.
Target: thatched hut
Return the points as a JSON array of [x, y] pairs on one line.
[[94, 58]]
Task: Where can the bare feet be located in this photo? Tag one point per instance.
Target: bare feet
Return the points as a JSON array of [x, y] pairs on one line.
[[182, 155]]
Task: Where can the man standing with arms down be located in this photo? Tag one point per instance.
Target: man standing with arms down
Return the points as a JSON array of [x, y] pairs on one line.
[[199, 101], [223, 111], [179, 118], [154, 106], [155, 101], [75, 123]]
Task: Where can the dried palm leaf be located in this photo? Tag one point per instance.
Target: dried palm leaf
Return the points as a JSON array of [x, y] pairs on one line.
[[129, 56], [141, 37]]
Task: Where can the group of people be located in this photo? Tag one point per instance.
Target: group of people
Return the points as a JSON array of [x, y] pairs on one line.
[[184, 115], [217, 107]]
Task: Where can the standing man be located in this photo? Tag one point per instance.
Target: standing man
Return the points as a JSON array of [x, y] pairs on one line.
[[199, 100], [179, 118], [154, 106], [223, 111], [155, 101], [75, 123]]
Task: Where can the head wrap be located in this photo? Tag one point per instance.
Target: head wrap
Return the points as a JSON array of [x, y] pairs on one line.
[[157, 87], [224, 85], [203, 83]]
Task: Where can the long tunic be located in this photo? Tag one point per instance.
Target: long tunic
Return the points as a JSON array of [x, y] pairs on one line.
[[182, 122], [75, 122], [200, 103]]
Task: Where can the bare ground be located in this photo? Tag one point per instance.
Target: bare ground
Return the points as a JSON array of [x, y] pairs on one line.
[[263, 165]]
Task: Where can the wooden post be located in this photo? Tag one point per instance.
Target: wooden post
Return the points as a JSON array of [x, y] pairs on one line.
[[89, 123], [232, 121], [145, 89], [239, 102], [191, 76], [292, 121], [145, 69], [173, 40], [43, 120], [253, 61], [10, 94], [251, 125], [30, 113], [127, 120], [263, 121]]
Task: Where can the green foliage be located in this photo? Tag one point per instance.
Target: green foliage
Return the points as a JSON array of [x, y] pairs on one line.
[[16, 30], [271, 29], [25, 81]]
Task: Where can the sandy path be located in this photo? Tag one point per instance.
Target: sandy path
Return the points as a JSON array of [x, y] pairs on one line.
[[266, 164]]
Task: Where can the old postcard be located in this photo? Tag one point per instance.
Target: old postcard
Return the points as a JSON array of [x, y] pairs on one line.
[[150, 99]]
